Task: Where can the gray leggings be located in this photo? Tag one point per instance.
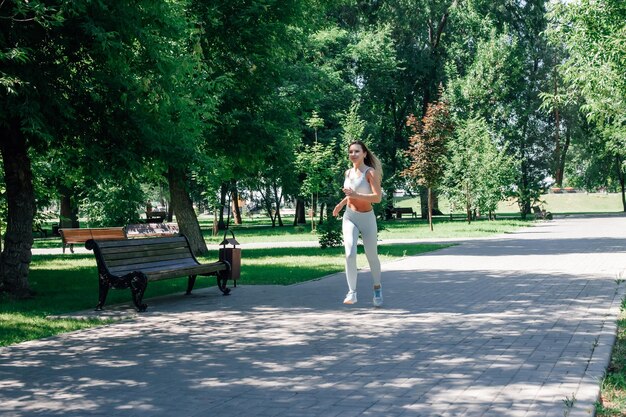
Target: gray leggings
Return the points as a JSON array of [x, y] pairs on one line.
[[353, 223]]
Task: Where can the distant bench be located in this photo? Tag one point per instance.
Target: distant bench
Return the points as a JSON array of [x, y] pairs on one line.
[[131, 263], [152, 230], [81, 235], [541, 213], [399, 211], [458, 216]]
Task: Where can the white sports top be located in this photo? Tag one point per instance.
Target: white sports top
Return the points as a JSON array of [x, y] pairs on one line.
[[357, 181]]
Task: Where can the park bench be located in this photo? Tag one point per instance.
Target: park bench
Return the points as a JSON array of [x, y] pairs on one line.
[[458, 216], [156, 216], [131, 263], [37, 228], [399, 211], [151, 230], [541, 214], [70, 236]]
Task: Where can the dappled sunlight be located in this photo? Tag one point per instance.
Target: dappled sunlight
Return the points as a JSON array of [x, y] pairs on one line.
[[462, 332]]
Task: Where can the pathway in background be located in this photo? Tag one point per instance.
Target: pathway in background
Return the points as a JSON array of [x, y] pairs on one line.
[[521, 325]]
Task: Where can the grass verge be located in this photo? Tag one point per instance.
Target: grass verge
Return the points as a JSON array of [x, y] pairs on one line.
[[70, 283], [612, 402]]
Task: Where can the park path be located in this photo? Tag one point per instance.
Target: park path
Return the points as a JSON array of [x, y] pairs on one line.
[[518, 325]]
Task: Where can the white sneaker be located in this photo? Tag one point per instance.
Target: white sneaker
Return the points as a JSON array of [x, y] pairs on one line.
[[378, 297], [350, 298]]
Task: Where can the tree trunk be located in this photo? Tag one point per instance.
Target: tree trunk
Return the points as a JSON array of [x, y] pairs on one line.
[[236, 209], [278, 198], [568, 139], [468, 206], [267, 201], [620, 176], [430, 208], [558, 172], [68, 209], [185, 215], [321, 219], [20, 194], [424, 202], [220, 222], [300, 217], [434, 201]]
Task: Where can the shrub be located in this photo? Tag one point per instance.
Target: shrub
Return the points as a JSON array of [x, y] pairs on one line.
[[329, 233]]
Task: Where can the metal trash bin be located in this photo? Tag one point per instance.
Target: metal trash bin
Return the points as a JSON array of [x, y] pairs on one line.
[[232, 256]]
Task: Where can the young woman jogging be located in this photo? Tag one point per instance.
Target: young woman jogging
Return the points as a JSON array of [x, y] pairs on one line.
[[361, 188]]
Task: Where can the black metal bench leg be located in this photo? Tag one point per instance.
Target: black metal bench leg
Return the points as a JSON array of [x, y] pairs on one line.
[[138, 285], [191, 281], [102, 293], [222, 279]]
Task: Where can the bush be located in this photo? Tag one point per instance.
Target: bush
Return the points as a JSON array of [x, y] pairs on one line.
[[329, 233], [111, 204]]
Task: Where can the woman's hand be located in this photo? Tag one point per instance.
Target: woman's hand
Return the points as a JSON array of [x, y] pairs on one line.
[[339, 206]]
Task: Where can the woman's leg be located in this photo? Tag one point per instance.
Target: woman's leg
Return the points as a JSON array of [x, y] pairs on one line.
[[369, 233], [350, 239]]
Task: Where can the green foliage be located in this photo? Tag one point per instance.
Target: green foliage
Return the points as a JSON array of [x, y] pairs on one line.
[[111, 203], [318, 163], [478, 174], [501, 83], [427, 149], [594, 36], [329, 232]]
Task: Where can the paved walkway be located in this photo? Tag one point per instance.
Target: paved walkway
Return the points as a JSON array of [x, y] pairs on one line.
[[521, 325]]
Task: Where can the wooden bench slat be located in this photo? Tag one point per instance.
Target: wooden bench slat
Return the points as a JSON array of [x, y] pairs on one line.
[[151, 263], [70, 236], [139, 242], [200, 270], [123, 248], [116, 256], [157, 274]]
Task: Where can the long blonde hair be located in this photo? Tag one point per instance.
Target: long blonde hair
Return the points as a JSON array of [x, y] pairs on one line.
[[371, 159]]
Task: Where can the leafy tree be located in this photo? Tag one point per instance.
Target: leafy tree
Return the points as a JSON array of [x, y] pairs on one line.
[[250, 45], [502, 85], [478, 174], [593, 35], [318, 164], [100, 78], [427, 149]]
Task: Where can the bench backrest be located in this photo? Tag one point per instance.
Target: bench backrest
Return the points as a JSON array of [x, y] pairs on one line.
[[120, 257], [152, 230], [83, 235]]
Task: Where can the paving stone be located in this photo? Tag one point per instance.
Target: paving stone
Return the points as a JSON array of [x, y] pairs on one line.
[[512, 325]]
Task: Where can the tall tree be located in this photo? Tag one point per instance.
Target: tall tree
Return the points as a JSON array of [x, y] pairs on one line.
[[593, 35], [427, 149], [103, 78], [478, 174]]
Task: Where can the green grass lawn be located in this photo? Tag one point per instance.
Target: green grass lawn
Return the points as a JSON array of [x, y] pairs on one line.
[[562, 203]]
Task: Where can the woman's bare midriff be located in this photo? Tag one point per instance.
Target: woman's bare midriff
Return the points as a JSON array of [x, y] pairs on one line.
[[359, 205]]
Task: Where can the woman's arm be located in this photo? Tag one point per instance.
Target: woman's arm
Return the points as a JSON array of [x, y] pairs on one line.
[[339, 206], [377, 194]]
